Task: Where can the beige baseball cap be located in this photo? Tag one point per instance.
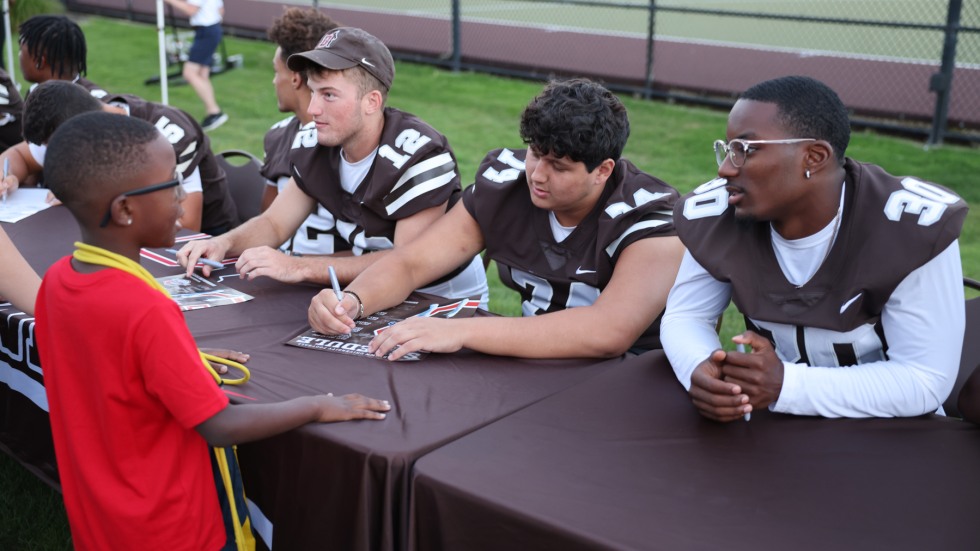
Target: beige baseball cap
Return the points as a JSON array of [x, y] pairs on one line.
[[345, 47]]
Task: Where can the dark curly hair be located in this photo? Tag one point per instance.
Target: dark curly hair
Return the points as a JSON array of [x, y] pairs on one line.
[[94, 156], [808, 108], [51, 104], [576, 118], [58, 40], [299, 30]]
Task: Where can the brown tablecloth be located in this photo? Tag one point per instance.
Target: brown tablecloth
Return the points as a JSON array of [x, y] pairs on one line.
[[342, 486], [623, 461]]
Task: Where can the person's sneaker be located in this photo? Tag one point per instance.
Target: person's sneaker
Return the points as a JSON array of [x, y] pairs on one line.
[[214, 120]]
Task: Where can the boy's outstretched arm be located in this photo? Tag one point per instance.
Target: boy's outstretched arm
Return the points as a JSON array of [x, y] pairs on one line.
[[237, 424]]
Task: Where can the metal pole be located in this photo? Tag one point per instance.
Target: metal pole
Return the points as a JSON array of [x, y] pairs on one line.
[[651, 24], [942, 82], [457, 38], [9, 43], [162, 45]]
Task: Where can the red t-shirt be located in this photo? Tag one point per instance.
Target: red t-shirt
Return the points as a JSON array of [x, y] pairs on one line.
[[125, 389]]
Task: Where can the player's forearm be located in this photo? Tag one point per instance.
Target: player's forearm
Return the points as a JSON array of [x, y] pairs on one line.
[[572, 333], [389, 277], [255, 232], [688, 342], [21, 163], [687, 330]]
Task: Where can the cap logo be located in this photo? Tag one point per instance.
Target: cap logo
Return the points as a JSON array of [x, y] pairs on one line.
[[328, 39]]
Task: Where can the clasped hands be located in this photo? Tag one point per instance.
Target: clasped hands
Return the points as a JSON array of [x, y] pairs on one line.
[[728, 385]]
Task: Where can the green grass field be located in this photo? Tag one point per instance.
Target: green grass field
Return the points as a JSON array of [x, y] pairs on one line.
[[477, 112]]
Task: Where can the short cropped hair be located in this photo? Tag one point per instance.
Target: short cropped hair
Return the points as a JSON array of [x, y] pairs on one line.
[[52, 103], [808, 108], [57, 39], [299, 30], [576, 118], [96, 154]]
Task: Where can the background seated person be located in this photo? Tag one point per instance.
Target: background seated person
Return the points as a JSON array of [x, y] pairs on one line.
[[52, 47], [208, 206], [297, 30], [849, 278], [585, 237]]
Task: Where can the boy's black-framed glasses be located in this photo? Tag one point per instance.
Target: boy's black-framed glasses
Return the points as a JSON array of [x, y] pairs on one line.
[[179, 180]]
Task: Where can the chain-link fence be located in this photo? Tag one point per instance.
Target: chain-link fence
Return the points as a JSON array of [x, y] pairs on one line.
[[903, 65]]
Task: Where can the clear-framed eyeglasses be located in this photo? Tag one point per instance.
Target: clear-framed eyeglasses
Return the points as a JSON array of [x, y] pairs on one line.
[[737, 150]]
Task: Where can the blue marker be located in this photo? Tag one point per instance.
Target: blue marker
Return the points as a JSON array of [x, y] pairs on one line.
[[335, 284], [6, 170], [741, 348]]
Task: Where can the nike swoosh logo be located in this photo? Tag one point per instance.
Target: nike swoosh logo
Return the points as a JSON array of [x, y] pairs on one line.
[[580, 271], [366, 62], [850, 302]]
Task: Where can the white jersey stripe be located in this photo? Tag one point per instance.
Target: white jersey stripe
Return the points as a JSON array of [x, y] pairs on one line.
[[419, 189], [611, 249], [426, 165]]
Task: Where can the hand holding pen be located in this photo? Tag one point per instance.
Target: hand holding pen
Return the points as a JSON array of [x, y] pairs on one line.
[[327, 313], [206, 261]]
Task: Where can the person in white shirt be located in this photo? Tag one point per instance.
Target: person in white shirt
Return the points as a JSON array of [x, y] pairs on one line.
[[205, 18], [849, 278]]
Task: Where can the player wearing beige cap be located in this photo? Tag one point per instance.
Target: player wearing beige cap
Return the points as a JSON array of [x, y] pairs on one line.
[[380, 176]]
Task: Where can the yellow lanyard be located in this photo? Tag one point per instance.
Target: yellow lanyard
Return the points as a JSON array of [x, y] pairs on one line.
[[99, 256]]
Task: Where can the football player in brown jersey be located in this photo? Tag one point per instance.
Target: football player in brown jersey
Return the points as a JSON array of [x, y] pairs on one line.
[[381, 175], [849, 278], [583, 235]]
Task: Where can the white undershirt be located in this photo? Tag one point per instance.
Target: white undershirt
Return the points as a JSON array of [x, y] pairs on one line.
[[560, 232], [923, 322], [801, 258], [352, 174]]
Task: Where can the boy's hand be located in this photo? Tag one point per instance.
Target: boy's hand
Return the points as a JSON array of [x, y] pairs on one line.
[[350, 406], [227, 354]]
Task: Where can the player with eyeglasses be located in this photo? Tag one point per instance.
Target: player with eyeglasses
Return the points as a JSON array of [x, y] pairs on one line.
[[849, 278]]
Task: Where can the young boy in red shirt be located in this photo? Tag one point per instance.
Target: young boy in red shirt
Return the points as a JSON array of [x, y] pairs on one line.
[[133, 408]]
